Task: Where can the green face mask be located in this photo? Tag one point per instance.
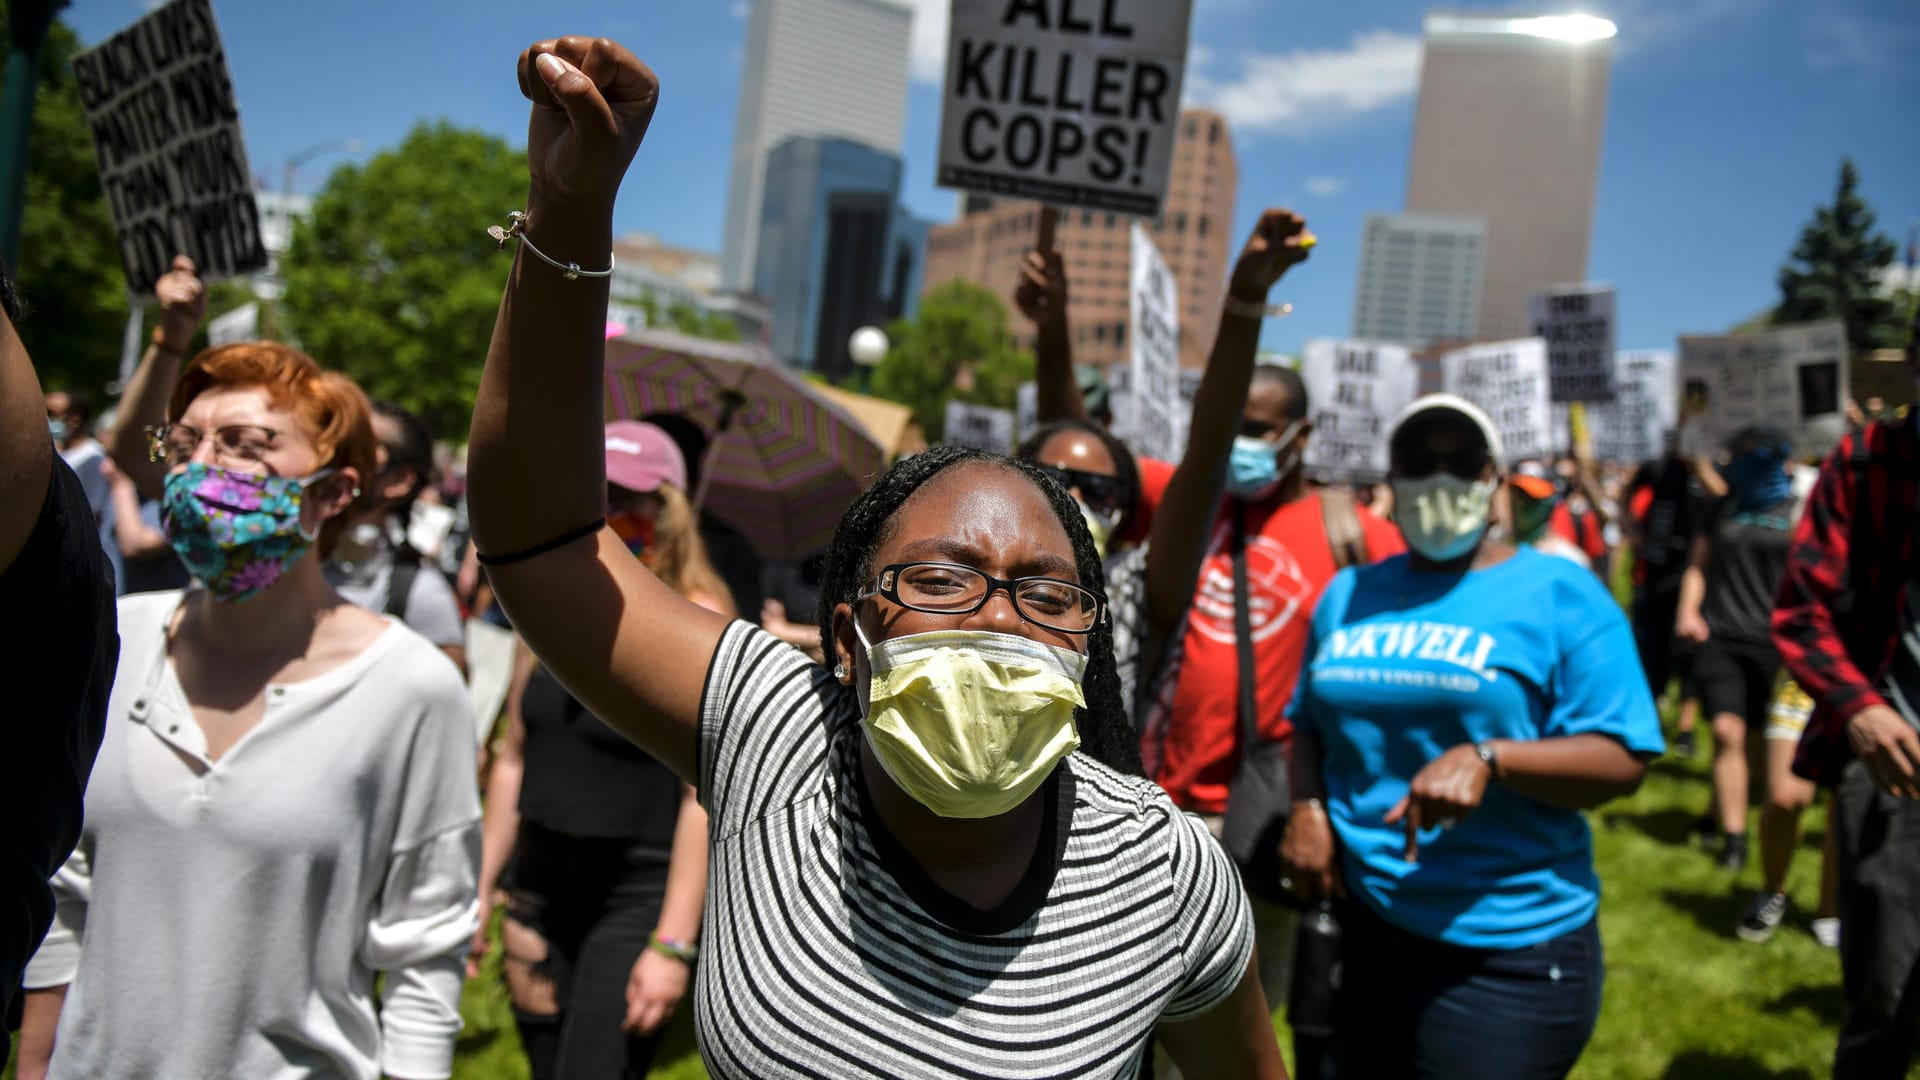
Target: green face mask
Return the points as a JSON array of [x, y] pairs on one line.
[[968, 722]]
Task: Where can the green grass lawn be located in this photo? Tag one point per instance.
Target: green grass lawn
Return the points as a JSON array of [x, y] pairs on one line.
[[1685, 1000]]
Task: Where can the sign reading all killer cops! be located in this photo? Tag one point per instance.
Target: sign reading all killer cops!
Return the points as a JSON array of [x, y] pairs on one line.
[[166, 135], [1072, 102], [1577, 323]]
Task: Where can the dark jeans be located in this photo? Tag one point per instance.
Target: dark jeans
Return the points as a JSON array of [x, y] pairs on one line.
[[595, 902], [1410, 1006], [1879, 853]]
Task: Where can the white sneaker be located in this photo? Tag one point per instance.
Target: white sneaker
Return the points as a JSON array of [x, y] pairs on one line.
[[1827, 932]]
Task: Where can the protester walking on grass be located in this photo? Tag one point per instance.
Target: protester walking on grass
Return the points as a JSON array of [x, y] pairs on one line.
[[1788, 797], [910, 862], [1726, 600], [1668, 501], [284, 806], [607, 849], [1847, 623], [1461, 705]]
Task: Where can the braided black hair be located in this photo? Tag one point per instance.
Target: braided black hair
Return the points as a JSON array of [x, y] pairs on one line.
[[1106, 731], [1125, 468]]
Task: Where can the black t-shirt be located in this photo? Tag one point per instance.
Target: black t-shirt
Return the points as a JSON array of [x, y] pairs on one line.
[[1675, 515], [1749, 557], [739, 565], [583, 779], [58, 593]]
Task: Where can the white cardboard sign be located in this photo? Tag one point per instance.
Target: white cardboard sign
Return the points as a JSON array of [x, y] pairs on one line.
[[1792, 377], [1355, 389], [1508, 380], [1159, 416], [982, 427]]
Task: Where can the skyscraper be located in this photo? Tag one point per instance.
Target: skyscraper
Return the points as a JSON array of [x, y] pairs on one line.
[[1508, 129], [1419, 278], [1194, 234], [810, 67]]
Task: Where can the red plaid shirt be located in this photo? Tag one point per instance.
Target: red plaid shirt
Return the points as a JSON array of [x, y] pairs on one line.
[[1838, 612]]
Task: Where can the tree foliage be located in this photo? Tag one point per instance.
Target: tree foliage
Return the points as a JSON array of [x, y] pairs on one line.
[[1833, 272], [69, 273], [958, 346], [394, 280]]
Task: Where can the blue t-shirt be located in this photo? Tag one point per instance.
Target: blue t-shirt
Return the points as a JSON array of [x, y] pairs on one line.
[[1405, 665]]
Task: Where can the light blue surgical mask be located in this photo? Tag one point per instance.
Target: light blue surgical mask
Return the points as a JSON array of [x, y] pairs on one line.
[[1255, 468], [57, 428]]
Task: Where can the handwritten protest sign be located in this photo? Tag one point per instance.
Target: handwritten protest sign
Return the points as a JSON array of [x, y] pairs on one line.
[[1576, 322], [1646, 405], [1067, 101], [1026, 409], [1356, 388], [982, 427], [1508, 380], [1792, 377], [166, 136], [1159, 420]]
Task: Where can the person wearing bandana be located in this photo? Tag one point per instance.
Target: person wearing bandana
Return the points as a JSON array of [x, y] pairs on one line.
[[284, 809]]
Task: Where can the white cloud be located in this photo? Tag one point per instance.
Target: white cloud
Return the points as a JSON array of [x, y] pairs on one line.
[[1308, 90], [928, 56], [1859, 45], [1324, 186], [740, 9]]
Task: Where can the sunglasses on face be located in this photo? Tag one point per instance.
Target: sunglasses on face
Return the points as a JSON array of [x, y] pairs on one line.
[[1415, 462], [1098, 490]]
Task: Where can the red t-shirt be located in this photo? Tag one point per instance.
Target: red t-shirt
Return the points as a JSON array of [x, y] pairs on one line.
[[1190, 751], [1587, 537], [1154, 476]]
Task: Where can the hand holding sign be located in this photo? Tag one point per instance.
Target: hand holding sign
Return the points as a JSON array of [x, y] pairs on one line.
[[592, 102], [183, 302], [1042, 292], [1280, 240]]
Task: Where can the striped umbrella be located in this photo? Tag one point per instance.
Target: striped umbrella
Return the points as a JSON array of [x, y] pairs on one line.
[[783, 463]]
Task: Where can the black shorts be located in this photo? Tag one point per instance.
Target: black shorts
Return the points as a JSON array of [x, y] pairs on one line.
[[1737, 677]]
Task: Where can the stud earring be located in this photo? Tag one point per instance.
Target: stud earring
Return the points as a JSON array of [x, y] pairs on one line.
[[840, 670]]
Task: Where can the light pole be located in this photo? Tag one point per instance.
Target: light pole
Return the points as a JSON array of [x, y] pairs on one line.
[[292, 167], [270, 286], [868, 346]]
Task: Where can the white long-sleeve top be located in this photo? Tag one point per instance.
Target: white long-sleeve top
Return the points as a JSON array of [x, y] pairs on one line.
[[226, 918]]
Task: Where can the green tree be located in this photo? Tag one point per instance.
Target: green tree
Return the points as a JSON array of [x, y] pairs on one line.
[[1833, 271], [69, 273], [958, 346], [394, 280]]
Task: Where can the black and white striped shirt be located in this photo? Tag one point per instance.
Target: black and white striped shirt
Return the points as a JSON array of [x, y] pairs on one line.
[[828, 953]]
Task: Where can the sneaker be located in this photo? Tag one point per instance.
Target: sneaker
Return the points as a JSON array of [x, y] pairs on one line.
[[1706, 829], [1827, 932], [1733, 853], [1684, 745], [1762, 918]]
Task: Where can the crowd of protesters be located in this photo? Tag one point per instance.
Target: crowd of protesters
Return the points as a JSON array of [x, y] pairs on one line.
[[1042, 786]]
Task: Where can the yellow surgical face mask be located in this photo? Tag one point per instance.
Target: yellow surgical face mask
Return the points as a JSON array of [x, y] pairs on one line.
[[968, 722]]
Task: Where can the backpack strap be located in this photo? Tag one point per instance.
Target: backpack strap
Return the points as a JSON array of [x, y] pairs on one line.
[[1345, 538], [1248, 696], [406, 567]]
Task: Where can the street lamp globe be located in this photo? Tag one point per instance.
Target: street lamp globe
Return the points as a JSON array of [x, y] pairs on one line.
[[868, 346]]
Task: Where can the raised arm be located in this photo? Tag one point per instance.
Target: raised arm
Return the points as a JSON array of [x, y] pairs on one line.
[[1042, 297], [621, 641], [183, 300], [1179, 536], [26, 452]]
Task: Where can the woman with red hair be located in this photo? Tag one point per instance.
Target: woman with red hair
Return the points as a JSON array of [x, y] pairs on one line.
[[284, 803]]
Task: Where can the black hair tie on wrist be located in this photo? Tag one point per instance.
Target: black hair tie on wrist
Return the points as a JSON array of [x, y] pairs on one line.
[[560, 541]]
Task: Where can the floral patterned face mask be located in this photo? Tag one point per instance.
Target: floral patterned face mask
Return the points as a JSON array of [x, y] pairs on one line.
[[237, 532]]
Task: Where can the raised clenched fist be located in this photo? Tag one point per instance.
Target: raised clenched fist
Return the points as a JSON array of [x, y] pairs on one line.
[[592, 102]]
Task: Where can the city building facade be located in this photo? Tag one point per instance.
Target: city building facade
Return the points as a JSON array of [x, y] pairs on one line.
[[1508, 129], [1194, 234], [810, 67], [1419, 278]]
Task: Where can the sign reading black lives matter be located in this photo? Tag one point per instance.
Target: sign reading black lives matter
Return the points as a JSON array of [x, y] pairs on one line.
[[1508, 380], [1074, 102], [166, 134], [1357, 388], [1577, 323]]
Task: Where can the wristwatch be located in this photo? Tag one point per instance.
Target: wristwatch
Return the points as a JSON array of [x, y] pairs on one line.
[[1488, 758]]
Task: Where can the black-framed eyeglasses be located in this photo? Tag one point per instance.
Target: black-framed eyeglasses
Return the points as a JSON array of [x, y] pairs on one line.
[[941, 588], [238, 446], [1101, 491]]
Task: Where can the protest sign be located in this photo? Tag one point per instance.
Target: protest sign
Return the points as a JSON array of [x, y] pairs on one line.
[[1576, 321], [1792, 377], [1067, 101], [1508, 380], [1356, 389], [1026, 409], [1646, 405], [982, 427], [1159, 421], [166, 136]]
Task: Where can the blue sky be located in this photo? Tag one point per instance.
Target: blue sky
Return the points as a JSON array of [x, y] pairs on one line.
[[1726, 123]]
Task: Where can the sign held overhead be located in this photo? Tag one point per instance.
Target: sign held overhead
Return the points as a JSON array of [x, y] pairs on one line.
[[166, 135], [1067, 101], [1577, 323], [1357, 388]]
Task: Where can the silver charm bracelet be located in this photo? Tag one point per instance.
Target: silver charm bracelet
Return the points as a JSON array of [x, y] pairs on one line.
[[516, 229]]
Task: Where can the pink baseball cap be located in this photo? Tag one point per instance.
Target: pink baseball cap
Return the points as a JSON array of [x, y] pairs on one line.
[[641, 457]]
